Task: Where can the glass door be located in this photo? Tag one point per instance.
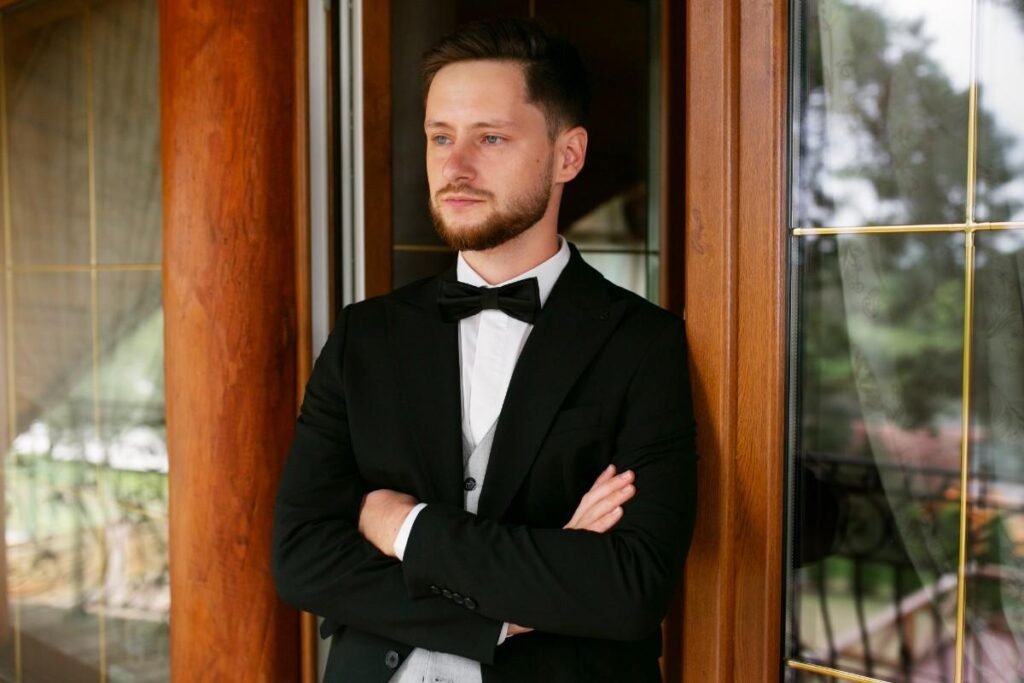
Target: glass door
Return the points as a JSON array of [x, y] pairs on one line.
[[84, 592], [906, 437]]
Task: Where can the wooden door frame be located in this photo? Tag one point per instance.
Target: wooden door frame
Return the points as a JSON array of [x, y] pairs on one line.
[[377, 194], [736, 188]]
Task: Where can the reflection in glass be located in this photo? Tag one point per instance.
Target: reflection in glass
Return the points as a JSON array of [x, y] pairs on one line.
[[614, 238], [995, 566], [876, 458], [881, 112], [627, 270], [1000, 171], [806, 677]]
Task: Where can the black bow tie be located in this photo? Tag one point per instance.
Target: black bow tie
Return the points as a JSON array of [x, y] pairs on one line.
[[520, 299]]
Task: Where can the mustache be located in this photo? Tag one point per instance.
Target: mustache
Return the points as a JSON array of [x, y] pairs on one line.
[[467, 190]]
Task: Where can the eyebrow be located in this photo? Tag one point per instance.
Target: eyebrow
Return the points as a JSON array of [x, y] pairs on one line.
[[480, 124]]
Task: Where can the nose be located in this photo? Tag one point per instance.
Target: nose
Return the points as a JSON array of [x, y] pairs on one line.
[[458, 166]]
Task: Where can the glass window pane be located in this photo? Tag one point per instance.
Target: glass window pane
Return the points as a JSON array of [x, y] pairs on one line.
[[995, 567], [629, 270], [48, 159], [881, 112], [130, 382], [84, 593], [52, 350], [54, 554], [876, 454], [796, 676], [1000, 186], [127, 122], [133, 436]]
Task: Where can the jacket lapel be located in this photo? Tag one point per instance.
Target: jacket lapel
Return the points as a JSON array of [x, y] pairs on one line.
[[572, 327], [427, 358]]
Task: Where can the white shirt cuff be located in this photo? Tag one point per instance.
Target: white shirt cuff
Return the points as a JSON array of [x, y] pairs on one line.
[[504, 633], [403, 531]]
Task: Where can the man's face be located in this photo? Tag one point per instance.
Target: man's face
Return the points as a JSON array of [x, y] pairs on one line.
[[489, 156]]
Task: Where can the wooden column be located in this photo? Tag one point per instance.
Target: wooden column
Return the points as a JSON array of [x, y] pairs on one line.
[[229, 158], [736, 84]]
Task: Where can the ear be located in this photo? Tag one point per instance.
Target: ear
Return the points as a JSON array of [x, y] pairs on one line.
[[570, 153]]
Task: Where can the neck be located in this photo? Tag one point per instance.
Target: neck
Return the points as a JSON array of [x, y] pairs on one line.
[[520, 254]]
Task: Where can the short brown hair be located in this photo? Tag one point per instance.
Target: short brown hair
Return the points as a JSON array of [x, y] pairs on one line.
[[556, 80]]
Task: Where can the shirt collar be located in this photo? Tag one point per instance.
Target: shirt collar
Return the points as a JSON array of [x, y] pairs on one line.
[[546, 273]]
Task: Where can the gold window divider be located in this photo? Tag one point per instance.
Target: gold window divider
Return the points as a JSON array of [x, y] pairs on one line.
[[94, 303], [9, 306], [971, 227], [968, 333], [832, 673]]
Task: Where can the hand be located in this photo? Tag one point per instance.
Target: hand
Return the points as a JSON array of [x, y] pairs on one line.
[[601, 507], [381, 517]]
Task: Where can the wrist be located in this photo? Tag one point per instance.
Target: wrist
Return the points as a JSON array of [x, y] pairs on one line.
[[402, 538]]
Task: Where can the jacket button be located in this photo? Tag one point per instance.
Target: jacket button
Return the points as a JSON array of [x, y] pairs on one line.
[[435, 590], [469, 603], [469, 484], [457, 598], [446, 593], [391, 659]]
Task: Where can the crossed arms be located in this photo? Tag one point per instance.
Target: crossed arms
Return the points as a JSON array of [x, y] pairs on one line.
[[384, 511], [606, 574]]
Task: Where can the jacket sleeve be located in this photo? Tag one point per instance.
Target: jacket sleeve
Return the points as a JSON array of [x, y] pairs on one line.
[[615, 585], [322, 564]]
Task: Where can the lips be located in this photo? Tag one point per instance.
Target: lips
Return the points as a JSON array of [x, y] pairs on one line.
[[461, 201], [461, 195]]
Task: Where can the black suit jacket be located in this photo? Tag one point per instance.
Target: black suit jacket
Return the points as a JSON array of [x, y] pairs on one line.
[[602, 379]]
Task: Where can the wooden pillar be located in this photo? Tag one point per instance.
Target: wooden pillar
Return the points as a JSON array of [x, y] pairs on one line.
[[736, 85], [229, 137]]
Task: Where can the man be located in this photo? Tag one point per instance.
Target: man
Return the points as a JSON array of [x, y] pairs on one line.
[[454, 501]]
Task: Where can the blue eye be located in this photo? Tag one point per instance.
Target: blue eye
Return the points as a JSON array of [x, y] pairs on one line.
[[493, 139], [442, 140]]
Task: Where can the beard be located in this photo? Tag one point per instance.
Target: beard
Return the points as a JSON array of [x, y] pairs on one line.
[[504, 224]]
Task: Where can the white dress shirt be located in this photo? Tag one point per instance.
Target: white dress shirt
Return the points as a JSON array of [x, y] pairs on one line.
[[489, 346]]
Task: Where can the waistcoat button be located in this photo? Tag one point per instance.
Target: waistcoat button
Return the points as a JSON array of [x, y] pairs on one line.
[[469, 484]]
